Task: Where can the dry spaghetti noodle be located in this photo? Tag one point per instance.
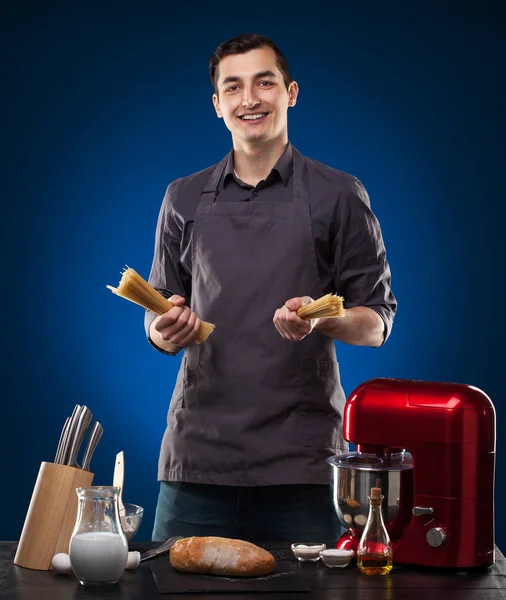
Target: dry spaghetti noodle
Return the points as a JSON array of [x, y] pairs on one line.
[[136, 289], [326, 306]]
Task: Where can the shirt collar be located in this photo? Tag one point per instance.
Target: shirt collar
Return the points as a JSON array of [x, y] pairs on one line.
[[283, 167]]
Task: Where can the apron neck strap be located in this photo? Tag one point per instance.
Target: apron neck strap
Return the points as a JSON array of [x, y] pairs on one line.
[[300, 179], [211, 189], [300, 182]]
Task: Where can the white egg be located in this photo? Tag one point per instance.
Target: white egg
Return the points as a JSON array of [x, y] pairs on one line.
[[133, 560], [61, 563]]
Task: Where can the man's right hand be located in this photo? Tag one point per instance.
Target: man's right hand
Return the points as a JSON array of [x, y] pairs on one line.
[[176, 328]]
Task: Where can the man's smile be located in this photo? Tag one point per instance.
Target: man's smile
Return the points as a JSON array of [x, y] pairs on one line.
[[253, 117]]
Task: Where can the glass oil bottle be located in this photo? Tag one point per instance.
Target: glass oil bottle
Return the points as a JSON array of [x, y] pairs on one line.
[[374, 554]]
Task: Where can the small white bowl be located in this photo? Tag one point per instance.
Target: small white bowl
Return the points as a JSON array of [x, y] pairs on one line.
[[333, 557], [308, 552]]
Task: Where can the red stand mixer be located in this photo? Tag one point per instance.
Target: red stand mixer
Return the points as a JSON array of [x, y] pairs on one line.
[[431, 449]]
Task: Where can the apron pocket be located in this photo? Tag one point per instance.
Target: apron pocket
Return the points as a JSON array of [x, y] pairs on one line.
[[321, 421]]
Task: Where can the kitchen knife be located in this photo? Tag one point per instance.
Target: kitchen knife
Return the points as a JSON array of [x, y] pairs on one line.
[[165, 547], [95, 435], [85, 417], [70, 429], [61, 443]]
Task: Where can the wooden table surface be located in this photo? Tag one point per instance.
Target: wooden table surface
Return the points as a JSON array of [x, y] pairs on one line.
[[402, 583]]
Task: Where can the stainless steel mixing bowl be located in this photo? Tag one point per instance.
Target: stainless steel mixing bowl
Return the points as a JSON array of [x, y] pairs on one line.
[[133, 518], [355, 473]]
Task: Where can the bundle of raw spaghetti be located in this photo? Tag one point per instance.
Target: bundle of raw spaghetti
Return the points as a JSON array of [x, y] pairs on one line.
[[136, 289], [326, 306]]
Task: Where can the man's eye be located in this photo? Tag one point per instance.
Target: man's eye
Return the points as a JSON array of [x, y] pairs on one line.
[[232, 88], [266, 83]]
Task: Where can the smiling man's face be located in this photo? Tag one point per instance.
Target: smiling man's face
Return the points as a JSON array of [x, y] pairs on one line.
[[252, 97]]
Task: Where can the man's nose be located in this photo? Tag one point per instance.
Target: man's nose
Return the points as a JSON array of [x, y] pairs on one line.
[[249, 98]]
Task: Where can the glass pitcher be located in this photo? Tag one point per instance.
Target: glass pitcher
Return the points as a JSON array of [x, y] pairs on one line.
[[98, 547]]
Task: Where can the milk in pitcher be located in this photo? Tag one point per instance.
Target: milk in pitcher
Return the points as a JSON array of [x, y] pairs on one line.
[[98, 557]]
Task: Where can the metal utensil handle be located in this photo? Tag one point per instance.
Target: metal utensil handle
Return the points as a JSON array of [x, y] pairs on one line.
[[82, 426], [66, 442], [161, 549], [61, 442], [95, 435], [70, 433]]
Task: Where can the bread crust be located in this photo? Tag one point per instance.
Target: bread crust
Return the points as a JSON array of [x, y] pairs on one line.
[[221, 556]]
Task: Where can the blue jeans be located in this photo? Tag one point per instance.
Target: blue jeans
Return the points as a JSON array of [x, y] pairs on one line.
[[293, 513]]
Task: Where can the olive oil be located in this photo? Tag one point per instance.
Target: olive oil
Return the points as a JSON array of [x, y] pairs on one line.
[[375, 564], [374, 553]]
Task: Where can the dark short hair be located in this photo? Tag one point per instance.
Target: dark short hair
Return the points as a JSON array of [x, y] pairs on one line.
[[244, 43]]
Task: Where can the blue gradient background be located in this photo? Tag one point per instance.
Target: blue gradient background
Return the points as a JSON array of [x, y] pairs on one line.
[[105, 105]]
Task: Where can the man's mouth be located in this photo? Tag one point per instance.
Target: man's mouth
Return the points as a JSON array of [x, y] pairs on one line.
[[253, 116]]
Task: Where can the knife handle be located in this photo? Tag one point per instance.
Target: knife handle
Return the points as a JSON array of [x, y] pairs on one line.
[[95, 435], [81, 429], [61, 443], [70, 433]]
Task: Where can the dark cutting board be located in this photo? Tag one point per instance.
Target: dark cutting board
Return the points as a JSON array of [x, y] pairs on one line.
[[286, 577]]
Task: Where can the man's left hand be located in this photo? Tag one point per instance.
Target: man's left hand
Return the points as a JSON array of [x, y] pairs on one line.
[[288, 324]]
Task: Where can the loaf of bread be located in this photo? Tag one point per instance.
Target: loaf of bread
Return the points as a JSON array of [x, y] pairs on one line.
[[221, 556]]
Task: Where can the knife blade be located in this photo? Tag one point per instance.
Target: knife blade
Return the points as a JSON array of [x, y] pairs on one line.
[[165, 547], [83, 423], [95, 435]]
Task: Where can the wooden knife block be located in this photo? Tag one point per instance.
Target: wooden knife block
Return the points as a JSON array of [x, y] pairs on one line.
[[51, 516]]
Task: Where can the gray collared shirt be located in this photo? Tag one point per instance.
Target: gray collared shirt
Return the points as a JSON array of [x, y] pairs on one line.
[[348, 243], [276, 187]]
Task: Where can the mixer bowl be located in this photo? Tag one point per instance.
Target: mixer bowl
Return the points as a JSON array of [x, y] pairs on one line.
[[354, 475], [133, 518]]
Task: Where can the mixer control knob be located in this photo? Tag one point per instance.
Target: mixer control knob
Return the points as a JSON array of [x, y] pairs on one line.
[[436, 537]]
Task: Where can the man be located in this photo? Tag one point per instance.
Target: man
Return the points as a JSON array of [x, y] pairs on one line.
[[257, 408]]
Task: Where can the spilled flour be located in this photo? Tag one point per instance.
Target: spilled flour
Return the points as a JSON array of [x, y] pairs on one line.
[[221, 556]]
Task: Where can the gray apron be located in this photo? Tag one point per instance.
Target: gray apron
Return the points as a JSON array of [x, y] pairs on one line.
[[249, 407]]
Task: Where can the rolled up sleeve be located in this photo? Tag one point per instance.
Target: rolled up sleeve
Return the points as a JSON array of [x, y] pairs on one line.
[[360, 269]]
